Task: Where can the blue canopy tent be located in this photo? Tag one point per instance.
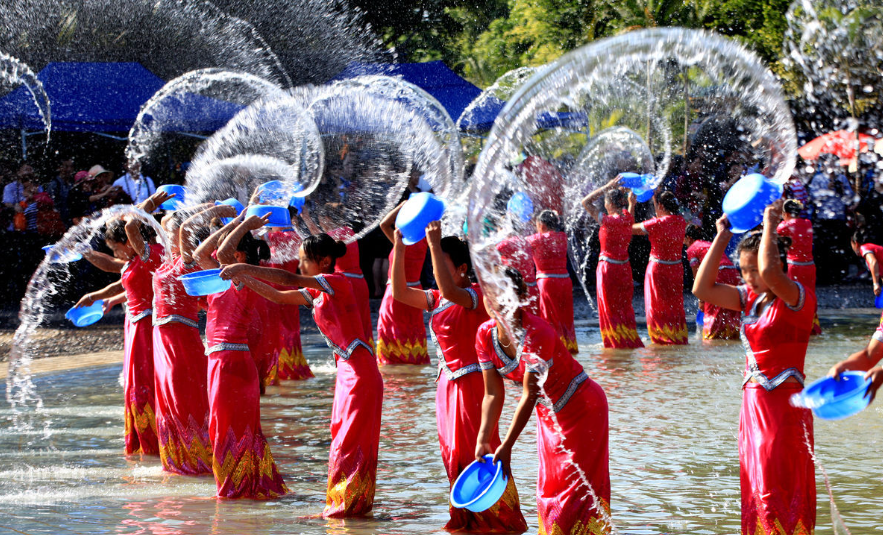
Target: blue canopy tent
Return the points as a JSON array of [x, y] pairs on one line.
[[104, 99], [455, 94]]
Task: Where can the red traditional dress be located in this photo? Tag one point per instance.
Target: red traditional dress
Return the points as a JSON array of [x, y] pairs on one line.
[[458, 401], [265, 339], [401, 334], [775, 464], [614, 283], [556, 289], [242, 464], [664, 280], [181, 369], [801, 266], [348, 265], [580, 408], [719, 323], [516, 252], [290, 356], [138, 378], [358, 398]]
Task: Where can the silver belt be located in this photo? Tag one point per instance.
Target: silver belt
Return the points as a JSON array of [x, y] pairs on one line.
[[454, 375], [571, 389], [175, 318], [138, 317], [224, 346], [793, 263], [553, 276], [665, 262], [352, 275], [603, 258], [531, 284], [410, 284], [729, 267]]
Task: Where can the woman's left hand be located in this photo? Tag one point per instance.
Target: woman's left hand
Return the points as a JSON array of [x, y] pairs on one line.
[[772, 216], [504, 453]]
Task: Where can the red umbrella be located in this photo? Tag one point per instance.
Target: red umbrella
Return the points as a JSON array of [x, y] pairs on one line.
[[839, 143]]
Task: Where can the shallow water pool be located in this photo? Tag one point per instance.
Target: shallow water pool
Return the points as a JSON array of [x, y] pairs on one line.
[[673, 452]]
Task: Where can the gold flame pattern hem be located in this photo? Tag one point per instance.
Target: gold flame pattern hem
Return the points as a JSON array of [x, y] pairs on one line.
[[666, 335], [292, 365], [595, 525], [778, 529], [395, 352], [350, 496], [185, 450], [621, 336], [140, 429]]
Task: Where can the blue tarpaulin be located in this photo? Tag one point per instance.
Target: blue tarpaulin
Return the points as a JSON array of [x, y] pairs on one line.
[[456, 93], [106, 97]]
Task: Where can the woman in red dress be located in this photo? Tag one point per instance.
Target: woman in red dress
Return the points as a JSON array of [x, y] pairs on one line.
[[180, 363], [664, 279], [358, 393], [572, 425], [136, 259], [243, 465], [401, 333], [776, 467], [801, 266], [718, 323], [292, 365], [549, 247], [457, 310], [614, 274], [872, 254]]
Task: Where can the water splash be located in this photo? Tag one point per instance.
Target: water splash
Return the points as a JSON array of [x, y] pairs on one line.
[[13, 72], [188, 97], [276, 133], [835, 512], [474, 115], [48, 280]]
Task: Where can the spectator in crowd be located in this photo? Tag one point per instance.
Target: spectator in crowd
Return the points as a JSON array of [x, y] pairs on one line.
[[14, 193], [831, 196], [106, 194], [794, 189], [137, 186], [60, 186]]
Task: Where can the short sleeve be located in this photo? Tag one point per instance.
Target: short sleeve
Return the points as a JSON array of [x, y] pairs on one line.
[[743, 297], [650, 225], [326, 286], [484, 348], [432, 298], [310, 294], [801, 300]]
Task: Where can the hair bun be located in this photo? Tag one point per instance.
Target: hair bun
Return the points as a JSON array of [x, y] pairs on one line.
[[339, 249]]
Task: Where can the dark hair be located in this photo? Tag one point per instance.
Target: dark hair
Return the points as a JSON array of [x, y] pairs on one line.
[[668, 201], [751, 244], [115, 231], [616, 197], [793, 207], [859, 237], [255, 250], [693, 232], [517, 280], [458, 250], [177, 218], [319, 246], [551, 219]]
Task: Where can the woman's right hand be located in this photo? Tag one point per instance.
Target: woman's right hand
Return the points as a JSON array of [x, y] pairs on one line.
[[85, 301], [482, 449], [723, 225], [399, 243], [230, 271], [877, 288], [839, 368]]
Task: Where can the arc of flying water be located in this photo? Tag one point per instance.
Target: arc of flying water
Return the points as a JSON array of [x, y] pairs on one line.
[[13, 71], [21, 393], [146, 130]]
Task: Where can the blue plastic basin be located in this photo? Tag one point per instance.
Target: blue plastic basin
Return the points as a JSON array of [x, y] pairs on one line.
[[520, 206], [279, 216], [62, 257], [85, 316], [175, 202], [832, 399], [234, 202], [274, 190], [745, 202], [643, 195], [878, 301], [420, 210], [297, 203], [205, 282], [700, 318], [635, 181], [479, 486]]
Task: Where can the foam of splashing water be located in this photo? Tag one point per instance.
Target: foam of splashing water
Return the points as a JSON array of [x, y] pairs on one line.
[[835, 513], [494, 96], [13, 72], [723, 82], [183, 98], [272, 139], [47, 282], [612, 151], [372, 145], [168, 37]]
